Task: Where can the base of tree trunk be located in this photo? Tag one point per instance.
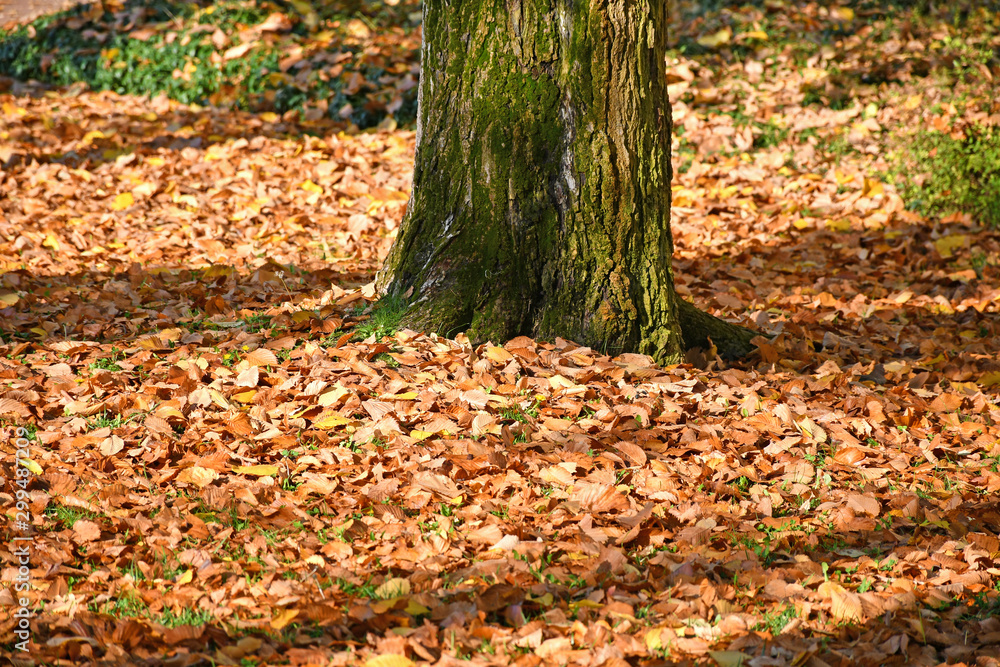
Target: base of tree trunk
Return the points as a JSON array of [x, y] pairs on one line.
[[698, 330], [541, 182]]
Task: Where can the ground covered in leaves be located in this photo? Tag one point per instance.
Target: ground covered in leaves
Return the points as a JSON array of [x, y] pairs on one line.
[[235, 459]]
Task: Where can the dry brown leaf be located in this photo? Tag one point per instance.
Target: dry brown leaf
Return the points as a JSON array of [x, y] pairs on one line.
[[261, 357], [85, 531], [438, 484], [598, 498], [248, 378], [862, 504], [197, 475]]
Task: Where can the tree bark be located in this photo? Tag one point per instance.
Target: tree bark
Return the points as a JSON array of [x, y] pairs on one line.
[[541, 185]]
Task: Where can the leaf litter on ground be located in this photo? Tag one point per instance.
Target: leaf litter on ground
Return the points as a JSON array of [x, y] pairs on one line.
[[241, 460]]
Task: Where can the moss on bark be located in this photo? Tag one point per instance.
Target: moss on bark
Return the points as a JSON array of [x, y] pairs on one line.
[[541, 191]]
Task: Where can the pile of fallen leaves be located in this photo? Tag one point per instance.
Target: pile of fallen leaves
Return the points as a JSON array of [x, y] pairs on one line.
[[239, 460]]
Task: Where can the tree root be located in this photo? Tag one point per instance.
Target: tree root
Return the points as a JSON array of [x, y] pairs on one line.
[[732, 341]]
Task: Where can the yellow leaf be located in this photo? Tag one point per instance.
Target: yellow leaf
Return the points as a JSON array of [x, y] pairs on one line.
[[544, 600], [873, 187], [122, 201], [274, 78], [312, 187], [217, 271], [390, 660], [586, 604], [217, 396], [842, 13], [946, 245], [990, 379], [155, 161], [395, 587], [188, 200], [653, 638], [405, 396], [10, 110], [332, 420], [269, 117], [90, 136], [30, 465], [717, 39], [840, 225], [257, 470], [245, 396], [185, 578], [414, 608], [802, 223], [9, 299], [420, 436], [283, 618], [51, 242], [557, 381], [755, 34], [332, 397], [729, 658], [197, 475], [843, 177]]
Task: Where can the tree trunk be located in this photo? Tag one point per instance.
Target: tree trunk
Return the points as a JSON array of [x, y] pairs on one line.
[[541, 187]]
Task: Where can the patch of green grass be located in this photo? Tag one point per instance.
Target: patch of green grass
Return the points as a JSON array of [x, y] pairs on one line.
[[257, 322], [108, 363], [129, 604], [231, 358], [939, 174], [760, 547], [106, 420], [387, 360], [776, 620], [235, 521], [514, 413], [384, 321], [186, 616], [365, 590], [986, 604], [132, 570], [170, 566], [30, 431], [768, 135], [67, 516], [520, 412]]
